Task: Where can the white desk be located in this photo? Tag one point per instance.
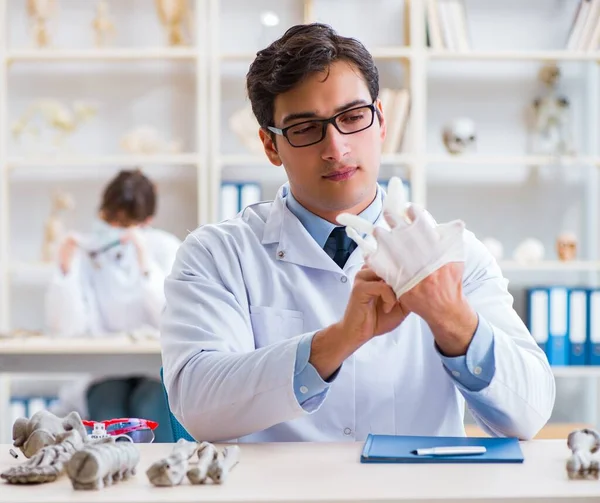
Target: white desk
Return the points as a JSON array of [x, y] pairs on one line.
[[326, 473], [47, 355]]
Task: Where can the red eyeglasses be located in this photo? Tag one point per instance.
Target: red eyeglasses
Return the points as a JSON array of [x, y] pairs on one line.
[[139, 431]]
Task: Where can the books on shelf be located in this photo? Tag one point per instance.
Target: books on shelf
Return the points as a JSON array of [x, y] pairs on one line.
[[235, 196], [396, 108], [585, 29], [565, 323], [447, 26]]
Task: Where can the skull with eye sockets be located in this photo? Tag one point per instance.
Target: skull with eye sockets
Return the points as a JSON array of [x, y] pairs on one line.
[[459, 136]]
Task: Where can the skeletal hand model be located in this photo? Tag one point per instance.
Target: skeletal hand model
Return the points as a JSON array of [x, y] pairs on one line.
[[170, 471], [412, 249], [43, 429], [211, 464], [582, 464], [48, 463], [101, 463]]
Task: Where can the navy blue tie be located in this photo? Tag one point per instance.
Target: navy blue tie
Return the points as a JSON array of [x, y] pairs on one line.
[[339, 246]]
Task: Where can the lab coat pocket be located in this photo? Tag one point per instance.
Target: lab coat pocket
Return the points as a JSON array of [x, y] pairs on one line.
[[272, 324]]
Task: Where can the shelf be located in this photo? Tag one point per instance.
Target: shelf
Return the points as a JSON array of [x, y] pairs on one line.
[[31, 273], [576, 371], [46, 345], [514, 55], [525, 160], [378, 53], [551, 265], [83, 162], [88, 55]]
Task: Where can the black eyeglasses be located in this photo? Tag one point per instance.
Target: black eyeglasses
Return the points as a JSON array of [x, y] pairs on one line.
[[313, 131]]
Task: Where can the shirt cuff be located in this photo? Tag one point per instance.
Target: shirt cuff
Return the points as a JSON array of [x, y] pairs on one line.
[[310, 389], [475, 370]]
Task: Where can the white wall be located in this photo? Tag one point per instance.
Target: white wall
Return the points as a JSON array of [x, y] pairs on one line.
[[508, 202]]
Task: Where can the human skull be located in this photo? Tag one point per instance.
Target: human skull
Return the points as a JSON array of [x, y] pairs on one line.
[[566, 246], [459, 135]]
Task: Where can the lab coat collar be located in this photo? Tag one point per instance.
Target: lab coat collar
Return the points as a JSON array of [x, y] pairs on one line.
[[294, 242]]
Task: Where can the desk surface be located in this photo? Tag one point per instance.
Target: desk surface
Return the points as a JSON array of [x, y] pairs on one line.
[[296, 472]]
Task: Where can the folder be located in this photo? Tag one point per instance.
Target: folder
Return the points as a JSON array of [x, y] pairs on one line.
[[399, 449], [578, 327], [538, 316], [594, 321], [558, 338]]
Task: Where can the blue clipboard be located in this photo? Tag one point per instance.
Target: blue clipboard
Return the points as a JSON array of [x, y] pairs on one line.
[[400, 449]]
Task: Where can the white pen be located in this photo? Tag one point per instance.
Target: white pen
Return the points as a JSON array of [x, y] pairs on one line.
[[451, 451]]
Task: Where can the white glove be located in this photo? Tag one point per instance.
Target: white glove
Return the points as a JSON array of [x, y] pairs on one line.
[[412, 248]]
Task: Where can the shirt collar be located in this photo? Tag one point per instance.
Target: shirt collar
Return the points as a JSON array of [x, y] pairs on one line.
[[320, 228]]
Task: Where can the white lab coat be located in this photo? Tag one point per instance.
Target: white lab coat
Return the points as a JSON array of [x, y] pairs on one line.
[[243, 293], [108, 296]]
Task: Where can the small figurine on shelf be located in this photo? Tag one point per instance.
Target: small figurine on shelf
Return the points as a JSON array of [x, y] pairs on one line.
[[566, 246], [102, 24], [54, 229], [147, 140], [550, 122], [529, 252], [56, 115], [459, 136], [172, 14], [40, 11], [244, 125]]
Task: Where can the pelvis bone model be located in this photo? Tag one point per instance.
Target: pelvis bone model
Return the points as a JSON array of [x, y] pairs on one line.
[[414, 245]]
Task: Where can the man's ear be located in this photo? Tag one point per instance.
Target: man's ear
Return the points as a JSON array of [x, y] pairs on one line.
[[381, 117], [270, 147]]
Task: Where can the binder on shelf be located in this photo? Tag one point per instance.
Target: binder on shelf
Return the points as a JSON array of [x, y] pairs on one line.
[[579, 353], [237, 196], [557, 348], [594, 326], [538, 316]]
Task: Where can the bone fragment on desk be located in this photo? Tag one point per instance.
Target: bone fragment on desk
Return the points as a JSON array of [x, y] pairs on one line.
[[48, 463], [224, 463], [43, 429], [170, 471], [102, 463], [207, 453], [583, 462]]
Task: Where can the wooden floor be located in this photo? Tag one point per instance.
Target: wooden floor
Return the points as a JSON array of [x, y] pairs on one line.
[[550, 431]]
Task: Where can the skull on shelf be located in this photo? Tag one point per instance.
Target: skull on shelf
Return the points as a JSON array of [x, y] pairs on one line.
[[459, 136]]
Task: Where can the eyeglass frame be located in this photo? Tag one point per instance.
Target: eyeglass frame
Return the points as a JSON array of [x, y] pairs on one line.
[[325, 123]]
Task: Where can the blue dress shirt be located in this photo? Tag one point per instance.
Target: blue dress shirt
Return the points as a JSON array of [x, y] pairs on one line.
[[474, 370]]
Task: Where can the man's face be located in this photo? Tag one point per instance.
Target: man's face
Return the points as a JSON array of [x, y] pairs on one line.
[[340, 172]]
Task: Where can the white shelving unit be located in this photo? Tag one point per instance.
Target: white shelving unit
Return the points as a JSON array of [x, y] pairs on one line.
[[48, 167]]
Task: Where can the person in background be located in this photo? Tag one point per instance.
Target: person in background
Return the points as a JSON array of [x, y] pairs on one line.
[[110, 281]]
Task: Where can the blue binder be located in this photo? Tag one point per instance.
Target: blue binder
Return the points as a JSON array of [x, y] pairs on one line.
[[594, 326], [558, 337], [399, 449], [579, 353], [538, 317]]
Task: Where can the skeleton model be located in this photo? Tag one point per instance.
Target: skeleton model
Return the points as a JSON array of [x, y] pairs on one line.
[[582, 464], [56, 115], [550, 121], [102, 24], [172, 14], [54, 228], [147, 140], [44, 429], [40, 11], [101, 463], [211, 464], [244, 125], [459, 136], [170, 471], [47, 464]]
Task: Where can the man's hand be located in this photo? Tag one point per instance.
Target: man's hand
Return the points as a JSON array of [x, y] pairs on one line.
[[66, 253], [371, 311], [440, 301]]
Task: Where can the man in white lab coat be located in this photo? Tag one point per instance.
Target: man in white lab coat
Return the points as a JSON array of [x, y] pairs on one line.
[[274, 330]]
